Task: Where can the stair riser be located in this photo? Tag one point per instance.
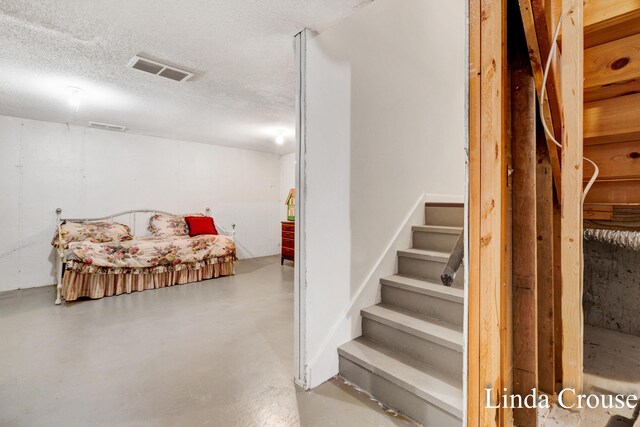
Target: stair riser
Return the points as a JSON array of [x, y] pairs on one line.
[[445, 360], [447, 311], [426, 269], [432, 241], [396, 397], [446, 216]]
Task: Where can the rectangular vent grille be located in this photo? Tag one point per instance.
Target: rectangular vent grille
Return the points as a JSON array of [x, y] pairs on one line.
[[159, 69], [106, 126]]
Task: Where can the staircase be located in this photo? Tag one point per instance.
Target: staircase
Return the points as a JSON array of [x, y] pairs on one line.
[[410, 353]]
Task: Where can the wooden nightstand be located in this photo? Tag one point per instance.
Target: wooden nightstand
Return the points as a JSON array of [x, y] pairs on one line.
[[288, 241]]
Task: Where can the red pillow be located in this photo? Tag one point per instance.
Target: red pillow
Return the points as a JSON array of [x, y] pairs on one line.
[[200, 225]]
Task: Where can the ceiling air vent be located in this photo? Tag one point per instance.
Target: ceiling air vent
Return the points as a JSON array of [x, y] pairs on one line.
[[106, 126], [159, 69]]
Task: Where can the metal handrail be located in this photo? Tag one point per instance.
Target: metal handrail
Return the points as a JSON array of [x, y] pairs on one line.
[[454, 263]]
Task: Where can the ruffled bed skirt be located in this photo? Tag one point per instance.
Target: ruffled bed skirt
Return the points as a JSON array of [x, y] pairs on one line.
[[97, 285]]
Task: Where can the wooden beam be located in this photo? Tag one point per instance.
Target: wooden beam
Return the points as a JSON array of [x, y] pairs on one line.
[[523, 140], [613, 90], [473, 334], [619, 160], [535, 17], [613, 62], [486, 209], [571, 203], [606, 20], [545, 288], [616, 218], [615, 192], [492, 182], [601, 212], [612, 120], [557, 289]]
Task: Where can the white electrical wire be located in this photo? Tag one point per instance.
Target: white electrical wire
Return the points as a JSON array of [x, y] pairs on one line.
[[552, 52]]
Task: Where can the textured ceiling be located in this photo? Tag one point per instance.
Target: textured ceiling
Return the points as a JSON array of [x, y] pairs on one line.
[[241, 52]]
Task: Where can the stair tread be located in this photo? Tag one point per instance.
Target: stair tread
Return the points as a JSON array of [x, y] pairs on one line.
[[412, 323], [424, 254], [393, 367], [413, 284], [437, 229]]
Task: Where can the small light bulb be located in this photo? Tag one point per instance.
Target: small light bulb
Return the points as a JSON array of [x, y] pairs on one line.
[[74, 97], [280, 139]]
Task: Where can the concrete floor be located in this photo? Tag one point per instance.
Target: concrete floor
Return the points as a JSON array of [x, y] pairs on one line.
[[215, 353], [611, 366]]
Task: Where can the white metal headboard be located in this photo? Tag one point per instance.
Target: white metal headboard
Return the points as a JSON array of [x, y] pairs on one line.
[[229, 232]]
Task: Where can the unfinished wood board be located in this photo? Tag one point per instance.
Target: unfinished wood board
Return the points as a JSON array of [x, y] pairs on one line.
[[606, 20], [523, 417], [615, 192], [473, 335], [628, 87], [571, 198], [612, 120], [613, 62], [491, 201], [619, 160], [597, 212], [557, 297], [544, 254], [621, 218], [535, 18]]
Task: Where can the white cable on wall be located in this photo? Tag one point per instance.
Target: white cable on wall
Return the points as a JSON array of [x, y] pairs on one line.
[[552, 52]]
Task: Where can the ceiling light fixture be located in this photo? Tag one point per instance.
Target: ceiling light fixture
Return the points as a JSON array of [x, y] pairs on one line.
[[280, 137], [74, 97]]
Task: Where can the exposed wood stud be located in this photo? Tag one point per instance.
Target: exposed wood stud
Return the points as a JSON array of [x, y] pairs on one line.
[[535, 17], [525, 337], [571, 197], [545, 288]]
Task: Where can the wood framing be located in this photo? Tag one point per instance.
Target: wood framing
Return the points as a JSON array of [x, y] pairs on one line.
[[538, 23], [545, 282], [488, 178], [571, 205], [473, 286], [525, 319]]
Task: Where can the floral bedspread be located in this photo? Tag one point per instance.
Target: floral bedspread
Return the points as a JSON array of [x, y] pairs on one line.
[[159, 253]]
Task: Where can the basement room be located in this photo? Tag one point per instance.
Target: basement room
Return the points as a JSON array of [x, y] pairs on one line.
[[221, 213]]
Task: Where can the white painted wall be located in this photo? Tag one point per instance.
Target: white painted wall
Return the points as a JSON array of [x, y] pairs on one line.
[[287, 181], [89, 172], [385, 130]]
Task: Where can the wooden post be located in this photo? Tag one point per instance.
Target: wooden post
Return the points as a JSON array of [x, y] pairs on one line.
[[545, 288], [473, 332], [571, 196], [487, 171], [525, 337]]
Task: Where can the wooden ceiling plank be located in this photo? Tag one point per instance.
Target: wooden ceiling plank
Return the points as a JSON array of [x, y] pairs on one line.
[[622, 192], [612, 120], [612, 62], [620, 160], [612, 90], [607, 20]]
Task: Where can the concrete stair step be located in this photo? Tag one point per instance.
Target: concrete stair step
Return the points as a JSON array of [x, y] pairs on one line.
[[394, 379], [429, 341], [435, 238], [421, 263], [422, 254], [433, 330], [447, 214], [437, 290], [424, 298], [441, 229]]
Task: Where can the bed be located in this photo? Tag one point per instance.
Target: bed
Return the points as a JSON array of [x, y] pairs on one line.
[[98, 257]]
